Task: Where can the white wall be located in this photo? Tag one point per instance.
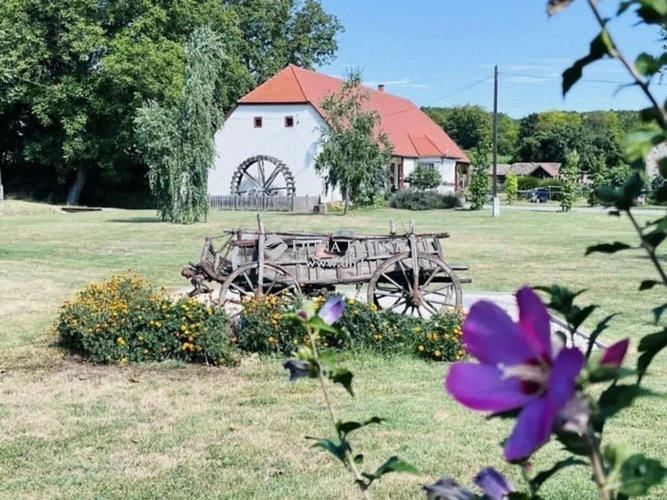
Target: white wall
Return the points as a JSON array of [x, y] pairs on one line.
[[296, 146], [445, 166]]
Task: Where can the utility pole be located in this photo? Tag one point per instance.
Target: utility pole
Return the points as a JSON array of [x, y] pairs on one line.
[[495, 210]]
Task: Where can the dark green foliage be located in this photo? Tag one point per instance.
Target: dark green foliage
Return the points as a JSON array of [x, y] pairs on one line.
[[569, 173], [511, 187], [424, 177], [527, 182], [408, 199], [355, 151], [480, 182], [125, 320], [266, 328], [177, 142]]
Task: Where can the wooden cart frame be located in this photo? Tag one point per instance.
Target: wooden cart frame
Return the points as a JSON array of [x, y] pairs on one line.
[[406, 273]]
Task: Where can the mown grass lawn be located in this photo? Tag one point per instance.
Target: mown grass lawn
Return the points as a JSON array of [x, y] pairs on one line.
[[70, 430]]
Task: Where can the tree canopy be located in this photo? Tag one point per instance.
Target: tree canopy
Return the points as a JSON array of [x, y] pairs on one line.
[[75, 72], [355, 151]]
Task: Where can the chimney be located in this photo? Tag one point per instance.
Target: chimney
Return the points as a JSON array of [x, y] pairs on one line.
[[381, 87]]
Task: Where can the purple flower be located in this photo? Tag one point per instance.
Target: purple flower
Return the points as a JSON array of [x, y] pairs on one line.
[[447, 489], [614, 354], [494, 484], [520, 367], [574, 416], [332, 310]]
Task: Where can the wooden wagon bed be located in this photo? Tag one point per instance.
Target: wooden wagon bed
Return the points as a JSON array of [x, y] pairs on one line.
[[404, 272]]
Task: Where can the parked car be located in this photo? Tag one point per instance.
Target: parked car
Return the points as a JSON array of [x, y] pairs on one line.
[[539, 195]]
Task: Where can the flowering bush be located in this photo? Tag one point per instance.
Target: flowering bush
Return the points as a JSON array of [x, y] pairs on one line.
[[124, 319], [265, 328]]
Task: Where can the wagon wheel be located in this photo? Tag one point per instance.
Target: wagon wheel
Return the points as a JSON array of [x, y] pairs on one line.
[[263, 175], [392, 286], [243, 283]]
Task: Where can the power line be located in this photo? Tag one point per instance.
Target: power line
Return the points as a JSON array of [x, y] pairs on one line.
[[542, 77], [445, 96]]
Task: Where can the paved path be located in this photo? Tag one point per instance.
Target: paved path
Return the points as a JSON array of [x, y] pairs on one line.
[[554, 207]]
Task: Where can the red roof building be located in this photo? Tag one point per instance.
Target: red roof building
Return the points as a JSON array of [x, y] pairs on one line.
[[269, 141], [411, 131]]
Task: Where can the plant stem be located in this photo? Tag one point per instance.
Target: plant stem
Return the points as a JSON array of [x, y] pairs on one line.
[[598, 467], [348, 456], [630, 67], [649, 249]]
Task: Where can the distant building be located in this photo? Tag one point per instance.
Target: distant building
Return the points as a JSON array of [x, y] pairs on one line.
[[269, 141], [540, 170]]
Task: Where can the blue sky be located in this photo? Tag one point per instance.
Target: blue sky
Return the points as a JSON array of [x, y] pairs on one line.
[[430, 50]]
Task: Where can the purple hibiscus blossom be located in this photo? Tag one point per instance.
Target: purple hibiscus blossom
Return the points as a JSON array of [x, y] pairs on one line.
[[614, 354], [520, 367], [332, 310]]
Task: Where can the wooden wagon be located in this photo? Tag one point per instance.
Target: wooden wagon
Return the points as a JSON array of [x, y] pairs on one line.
[[406, 273]]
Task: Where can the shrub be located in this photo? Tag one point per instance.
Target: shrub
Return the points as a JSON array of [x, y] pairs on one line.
[[511, 187], [424, 177], [408, 199], [265, 328], [527, 182], [124, 319]]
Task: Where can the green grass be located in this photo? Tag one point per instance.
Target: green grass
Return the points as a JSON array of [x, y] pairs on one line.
[[71, 430]]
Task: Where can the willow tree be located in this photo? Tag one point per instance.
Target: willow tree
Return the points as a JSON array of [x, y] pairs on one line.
[[355, 150], [177, 142]]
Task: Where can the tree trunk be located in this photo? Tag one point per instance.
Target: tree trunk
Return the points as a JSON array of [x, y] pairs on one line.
[[75, 190], [347, 198]]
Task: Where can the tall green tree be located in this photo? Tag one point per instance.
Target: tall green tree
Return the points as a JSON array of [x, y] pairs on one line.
[[569, 174], [468, 125], [79, 69], [278, 33], [480, 182], [355, 151], [177, 142]]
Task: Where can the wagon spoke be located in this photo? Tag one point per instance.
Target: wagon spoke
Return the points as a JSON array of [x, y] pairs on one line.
[[428, 305], [437, 291], [392, 281], [275, 279], [407, 280], [430, 278]]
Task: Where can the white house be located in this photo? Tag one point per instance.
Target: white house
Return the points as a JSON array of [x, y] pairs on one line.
[[269, 140]]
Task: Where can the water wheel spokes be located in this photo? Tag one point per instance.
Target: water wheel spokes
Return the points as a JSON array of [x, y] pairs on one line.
[[263, 176]]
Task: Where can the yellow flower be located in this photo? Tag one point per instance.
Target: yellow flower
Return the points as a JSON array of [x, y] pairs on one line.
[[123, 360], [421, 348], [271, 340], [120, 340], [373, 307], [184, 328], [436, 353]]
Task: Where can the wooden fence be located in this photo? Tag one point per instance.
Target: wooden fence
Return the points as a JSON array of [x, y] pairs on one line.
[[265, 203]]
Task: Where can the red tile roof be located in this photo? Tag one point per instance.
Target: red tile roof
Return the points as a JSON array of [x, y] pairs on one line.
[[411, 131]]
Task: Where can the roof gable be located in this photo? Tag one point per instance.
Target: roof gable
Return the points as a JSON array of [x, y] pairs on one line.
[[411, 131]]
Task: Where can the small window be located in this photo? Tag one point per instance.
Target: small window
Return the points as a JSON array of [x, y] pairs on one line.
[[289, 121], [258, 122]]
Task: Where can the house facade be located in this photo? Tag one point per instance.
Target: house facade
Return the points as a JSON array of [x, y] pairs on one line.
[[270, 139], [540, 170]]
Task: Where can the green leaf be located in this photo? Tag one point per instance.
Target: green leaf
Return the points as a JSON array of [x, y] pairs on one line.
[[657, 312], [540, 478], [337, 450], [648, 284], [620, 396], [511, 414], [601, 327], [636, 472], [577, 316], [662, 166], [631, 189], [653, 11], [624, 6], [655, 238], [346, 427], [638, 143], [649, 347], [393, 464], [647, 65], [343, 377], [358, 459], [562, 298], [318, 324], [607, 195], [600, 47], [574, 443], [617, 246], [599, 373]]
